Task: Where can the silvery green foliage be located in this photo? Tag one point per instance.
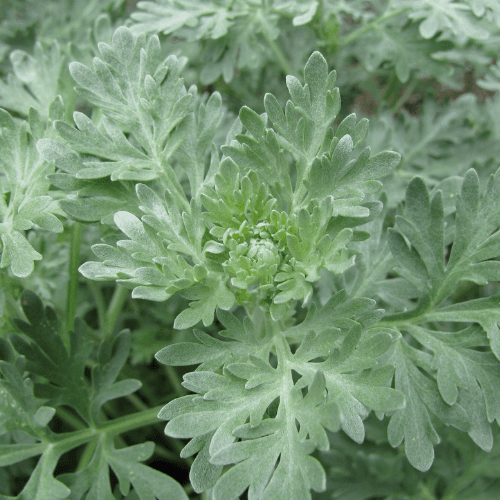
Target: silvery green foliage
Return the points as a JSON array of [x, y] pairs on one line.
[[36, 81], [41, 351], [345, 312], [231, 31], [260, 240], [24, 199], [259, 402]]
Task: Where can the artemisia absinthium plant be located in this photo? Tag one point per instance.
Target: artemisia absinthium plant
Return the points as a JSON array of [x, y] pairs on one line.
[[274, 257]]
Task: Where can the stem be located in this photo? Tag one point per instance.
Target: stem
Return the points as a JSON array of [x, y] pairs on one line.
[[131, 422], [285, 65], [70, 419], [461, 483], [426, 493], [175, 380], [368, 27], [100, 303], [74, 260], [117, 426], [407, 93], [389, 89], [392, 320], [168, 455], [87, 455], [137, 402], [119, 298]]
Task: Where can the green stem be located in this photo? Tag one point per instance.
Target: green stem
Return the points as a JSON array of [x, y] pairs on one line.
[[119, 298], [392, 320], [74, 261], [368, 27], [285, 65], [84, 434], [168, 455], [175, 380], [407, 93], [87, 455], [389, 89], [100, 303], [137, 402], [70, 419], [461, 483], [114, 427], [426, 493]]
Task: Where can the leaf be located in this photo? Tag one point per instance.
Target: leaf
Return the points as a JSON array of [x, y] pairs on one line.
[[221, 30], [137, 93], [19, 160], [474, 243], [20, 411], [42, 485], [307, 118], [260, 153], [413, 424], [111, 358], [485, 311], [400, 46], [148, 483], [47, 356], [198, 144], [152, 261], [18, 405], [456, 387], [354, 390], [448, 16], [439, 145], [207, 296], [465, 370], [96, 199], [209, 353], [228, 408], [333, 359], [37, 80]]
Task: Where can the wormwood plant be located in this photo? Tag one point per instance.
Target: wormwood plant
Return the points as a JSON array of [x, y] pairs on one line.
[[220, 292]]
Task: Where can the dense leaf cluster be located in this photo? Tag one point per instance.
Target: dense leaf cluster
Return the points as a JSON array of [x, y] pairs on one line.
[[199, 241]]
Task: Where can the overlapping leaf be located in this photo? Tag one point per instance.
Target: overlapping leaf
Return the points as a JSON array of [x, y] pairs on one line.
[[336, 353], [467, 374], [368, 278], [24, 199], [88, 200], [36, 80], [414, 423], [138, 95], [21, 411], [440, 143], [43, 354], [475, 242], [47, 356], [156, 260], [463, 370], [231, 32], [450, 17], [93, 482]]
